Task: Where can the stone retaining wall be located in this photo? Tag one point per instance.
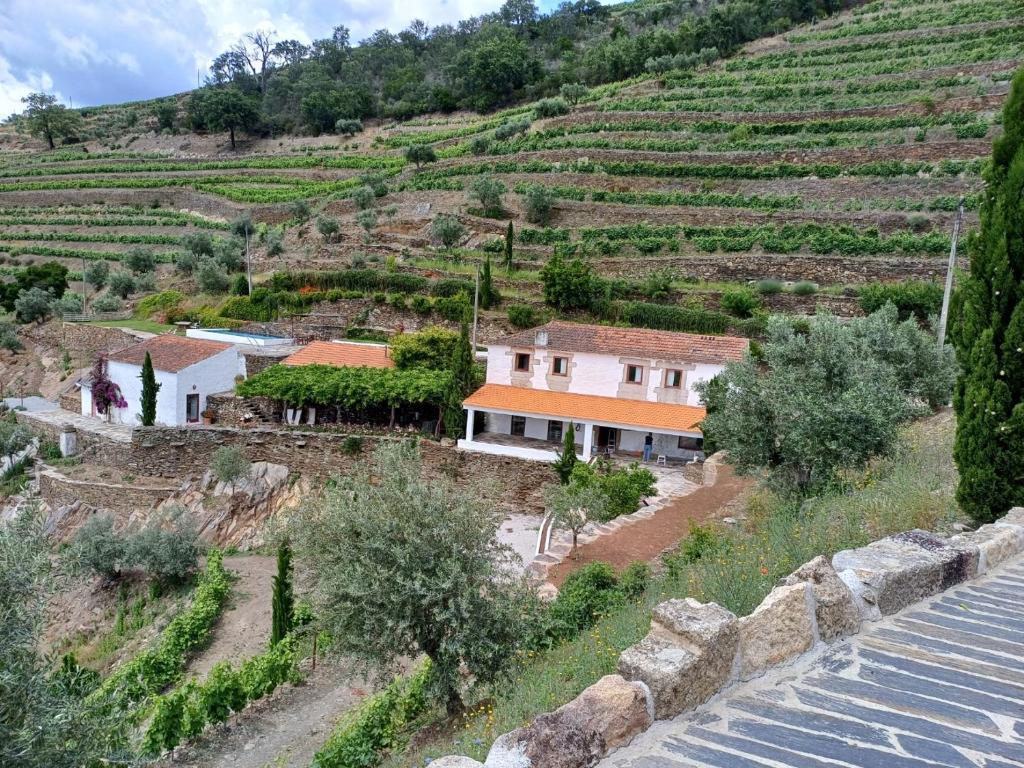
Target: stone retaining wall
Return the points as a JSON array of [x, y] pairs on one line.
[[58, 490], [694, 650]]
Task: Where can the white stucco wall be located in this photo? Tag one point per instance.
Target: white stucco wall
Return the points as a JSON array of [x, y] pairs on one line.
[[207, 377], [594, 374]]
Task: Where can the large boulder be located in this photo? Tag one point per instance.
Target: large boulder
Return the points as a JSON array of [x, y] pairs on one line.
[[902, 569], [835, 608], [606, 715], [687, 657], [456, 761], [781, 627]]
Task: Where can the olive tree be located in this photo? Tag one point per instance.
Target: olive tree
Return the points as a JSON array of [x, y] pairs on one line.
[[824, 399], [574, 505], [448, 230], [404, 565], [46, 119]]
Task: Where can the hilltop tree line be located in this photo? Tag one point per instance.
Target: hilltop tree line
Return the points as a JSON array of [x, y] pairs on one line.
[[270, 86], [486, 61]]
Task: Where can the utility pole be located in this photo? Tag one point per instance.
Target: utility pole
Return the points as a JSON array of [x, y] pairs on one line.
[[944, 315], [248, 261], [476, 307]]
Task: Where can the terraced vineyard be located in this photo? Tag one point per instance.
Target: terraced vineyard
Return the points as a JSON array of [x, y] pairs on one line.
[[834, 154]]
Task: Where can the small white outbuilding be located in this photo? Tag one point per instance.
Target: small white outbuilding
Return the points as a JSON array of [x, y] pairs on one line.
[[187, 370]]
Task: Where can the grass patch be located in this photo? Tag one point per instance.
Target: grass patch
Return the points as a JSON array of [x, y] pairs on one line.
[[735, 567], [148, 326]]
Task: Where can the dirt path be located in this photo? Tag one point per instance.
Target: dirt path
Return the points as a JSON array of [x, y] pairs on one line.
[[244, 627], [646, 539], [283, 730]]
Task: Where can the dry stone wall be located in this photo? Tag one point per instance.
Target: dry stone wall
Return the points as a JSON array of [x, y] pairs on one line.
[[694, 650], [58, 490]]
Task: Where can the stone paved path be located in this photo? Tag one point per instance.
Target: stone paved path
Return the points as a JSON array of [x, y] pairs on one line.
[[58, 417], [939, 684]]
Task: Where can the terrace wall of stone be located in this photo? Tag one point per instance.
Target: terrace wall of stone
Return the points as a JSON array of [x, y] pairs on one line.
[[59, 490], [695, 650]]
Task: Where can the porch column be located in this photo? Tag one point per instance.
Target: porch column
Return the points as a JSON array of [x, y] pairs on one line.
[[588, 440], [470, 419]]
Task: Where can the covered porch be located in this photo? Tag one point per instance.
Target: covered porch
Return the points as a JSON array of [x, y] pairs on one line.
[[531, 424]]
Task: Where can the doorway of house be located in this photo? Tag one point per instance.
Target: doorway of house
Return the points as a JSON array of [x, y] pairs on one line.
[[191, 408], [607, 439]]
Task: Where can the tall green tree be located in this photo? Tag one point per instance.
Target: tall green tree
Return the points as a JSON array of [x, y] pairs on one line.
[[567, 459], [463, 383], [283, 597], [404, 564], [509, 235], [988, 333], [45, 119], [149, 391], [224, 109], [488, 295]]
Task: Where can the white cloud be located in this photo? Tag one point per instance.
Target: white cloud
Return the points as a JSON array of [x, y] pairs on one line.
[[104, 51], [12, 89]]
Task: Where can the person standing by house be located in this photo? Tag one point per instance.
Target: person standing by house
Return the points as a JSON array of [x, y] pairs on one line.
[[648, 445]]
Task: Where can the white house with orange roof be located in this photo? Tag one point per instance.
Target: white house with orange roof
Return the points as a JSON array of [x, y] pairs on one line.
[[618, 387], [187, 371]]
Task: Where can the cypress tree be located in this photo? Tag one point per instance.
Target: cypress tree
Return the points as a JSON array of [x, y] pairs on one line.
[[149, 390], [487, 295], [463, 382], [566, 460], [283, 598], [988, 333], [509, 234]]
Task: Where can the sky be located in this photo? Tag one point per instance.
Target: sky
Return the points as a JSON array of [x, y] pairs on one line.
[[89, 52]]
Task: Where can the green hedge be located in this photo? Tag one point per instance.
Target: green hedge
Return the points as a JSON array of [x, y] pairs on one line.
[[157, 667], [186, 711], [376, 724]]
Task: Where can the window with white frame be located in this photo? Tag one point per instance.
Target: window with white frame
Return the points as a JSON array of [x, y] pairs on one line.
[[560, 366], [673, 379], [635, 374]]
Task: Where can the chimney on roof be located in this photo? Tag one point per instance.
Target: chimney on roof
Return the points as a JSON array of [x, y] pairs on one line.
[[542, 339]]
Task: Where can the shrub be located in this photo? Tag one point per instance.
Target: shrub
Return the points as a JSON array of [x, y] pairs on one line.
[[108, 302], [573, 92], [538, 203], [273, 241], [9, 338], [345, 127], [448, 230], [211, 277], [769, 287], [299, 210], [421, 305], [488, 191], [522, 316], [186, 263], [230, 253], [451, 286], [327, 227], [367, 220], [240, 285], [165, 301], [69, 304], [420, 154], [569, 285], [911, 298], [624, 489], [585, 596], [33, 305], [633, 580], [456, 309], [198, 243], [96, 273], [376, 724], [480, 145], [96, 549], [229, 464], [506, 131], [121, 284], [805, 288], [167, 547], [139, 261], [740, 302], [364, 198], [551, 107]]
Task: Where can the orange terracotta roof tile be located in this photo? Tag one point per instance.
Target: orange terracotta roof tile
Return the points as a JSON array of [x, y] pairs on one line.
[[587, 408], [633, 342], [342, 355], [169, 352]]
